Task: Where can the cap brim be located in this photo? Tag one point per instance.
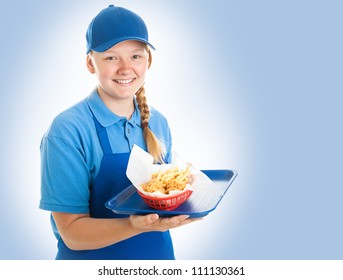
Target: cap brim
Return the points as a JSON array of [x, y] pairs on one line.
[[109, 44]]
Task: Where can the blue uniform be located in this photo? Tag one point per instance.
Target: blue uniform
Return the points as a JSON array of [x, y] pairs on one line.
[[84, 159]]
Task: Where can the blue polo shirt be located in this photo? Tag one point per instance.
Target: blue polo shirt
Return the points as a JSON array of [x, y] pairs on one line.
[[71, 153]]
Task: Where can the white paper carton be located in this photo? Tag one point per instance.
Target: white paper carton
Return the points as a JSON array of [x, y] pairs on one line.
[[141, 167]]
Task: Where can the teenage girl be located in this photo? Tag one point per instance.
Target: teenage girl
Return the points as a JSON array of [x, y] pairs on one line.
[[84, 153]]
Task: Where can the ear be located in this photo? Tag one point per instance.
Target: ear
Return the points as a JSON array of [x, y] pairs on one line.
[[149, 57], [90, 64]]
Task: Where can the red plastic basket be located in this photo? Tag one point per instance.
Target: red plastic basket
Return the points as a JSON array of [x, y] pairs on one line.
[[166, 203]]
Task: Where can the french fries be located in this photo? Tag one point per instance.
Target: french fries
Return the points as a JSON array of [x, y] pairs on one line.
[[168, 180]]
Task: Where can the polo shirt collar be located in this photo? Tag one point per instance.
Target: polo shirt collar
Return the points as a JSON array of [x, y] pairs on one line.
[[105, 116]]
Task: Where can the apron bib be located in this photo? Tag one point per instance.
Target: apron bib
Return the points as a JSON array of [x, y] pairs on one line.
[[110, 180]]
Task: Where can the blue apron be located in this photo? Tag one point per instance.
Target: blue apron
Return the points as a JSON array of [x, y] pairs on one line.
[[110, 180]]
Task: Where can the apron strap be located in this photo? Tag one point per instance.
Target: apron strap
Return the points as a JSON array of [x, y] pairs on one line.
[[103, 137]]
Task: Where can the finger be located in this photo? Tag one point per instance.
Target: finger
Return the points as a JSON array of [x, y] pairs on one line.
[[181, 217], [188, 221], [152, 218], [140, 221], [178, 219], [196, 219], [173, 221]]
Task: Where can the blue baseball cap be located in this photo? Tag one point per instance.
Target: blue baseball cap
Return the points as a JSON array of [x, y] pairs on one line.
[[114, 25]]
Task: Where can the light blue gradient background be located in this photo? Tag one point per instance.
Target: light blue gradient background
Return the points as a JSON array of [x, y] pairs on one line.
[[254, 86]]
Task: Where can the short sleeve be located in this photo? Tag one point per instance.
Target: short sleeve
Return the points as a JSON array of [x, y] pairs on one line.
[[65, 178]]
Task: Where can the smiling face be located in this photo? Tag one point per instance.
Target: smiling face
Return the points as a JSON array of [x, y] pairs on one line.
[[120, 70]]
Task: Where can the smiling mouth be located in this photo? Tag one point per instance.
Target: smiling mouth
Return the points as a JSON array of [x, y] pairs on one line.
[[124, 82]]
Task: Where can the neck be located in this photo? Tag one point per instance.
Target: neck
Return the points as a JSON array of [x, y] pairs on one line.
[[120, 107]]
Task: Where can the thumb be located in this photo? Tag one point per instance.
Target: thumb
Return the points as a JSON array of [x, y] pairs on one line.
[[139, 221]]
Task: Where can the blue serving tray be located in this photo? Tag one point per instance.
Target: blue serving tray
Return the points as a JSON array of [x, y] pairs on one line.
[[200, 203]]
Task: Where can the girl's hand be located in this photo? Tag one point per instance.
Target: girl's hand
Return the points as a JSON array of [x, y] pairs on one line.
[[153, 222]]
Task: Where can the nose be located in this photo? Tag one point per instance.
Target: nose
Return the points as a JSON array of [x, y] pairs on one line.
[[124, 67]]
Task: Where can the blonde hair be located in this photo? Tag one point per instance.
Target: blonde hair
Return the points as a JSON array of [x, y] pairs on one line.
[[154, 146]]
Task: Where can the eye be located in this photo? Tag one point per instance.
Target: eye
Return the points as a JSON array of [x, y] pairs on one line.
[[136, 56], [111, 58]]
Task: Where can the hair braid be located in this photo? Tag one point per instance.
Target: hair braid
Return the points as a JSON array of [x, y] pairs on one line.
[[153, 145]]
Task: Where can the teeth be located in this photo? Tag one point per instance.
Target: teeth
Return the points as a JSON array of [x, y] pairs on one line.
[[124, 81]]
